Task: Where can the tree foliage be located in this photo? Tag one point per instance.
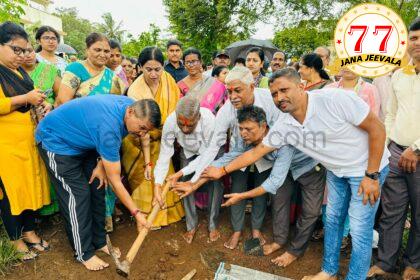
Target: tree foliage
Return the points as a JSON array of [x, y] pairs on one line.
[[11, 10], [76, 28], [111, 28], [133, 47], [213, 24]]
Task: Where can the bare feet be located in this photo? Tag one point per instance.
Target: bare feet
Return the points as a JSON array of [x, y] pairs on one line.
[[375, 270], [256, 233], [284, 260], [410, 273], [271, 248], [214, 235], [106, 251], [233, 241], [95, 264], [189, 236], [320, 276]]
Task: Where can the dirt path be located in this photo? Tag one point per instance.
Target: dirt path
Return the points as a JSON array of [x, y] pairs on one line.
[[164, 255]]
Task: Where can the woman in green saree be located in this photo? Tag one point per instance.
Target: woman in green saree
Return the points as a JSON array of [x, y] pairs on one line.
[[46, 78]]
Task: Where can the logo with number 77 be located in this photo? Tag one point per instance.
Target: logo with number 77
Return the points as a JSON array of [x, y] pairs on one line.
[[370, 40]]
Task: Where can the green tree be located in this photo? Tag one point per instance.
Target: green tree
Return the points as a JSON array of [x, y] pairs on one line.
[[11, 10], [151, 37], [303, 38], [214, 24], [111, 28], [76, 28]]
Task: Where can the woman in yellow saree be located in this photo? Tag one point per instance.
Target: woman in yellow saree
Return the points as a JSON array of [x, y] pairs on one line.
[[141, 156]]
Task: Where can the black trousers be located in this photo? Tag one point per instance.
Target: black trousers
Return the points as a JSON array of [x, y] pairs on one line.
[[399, 190], [82, 205], [15, 225], [313, 185]]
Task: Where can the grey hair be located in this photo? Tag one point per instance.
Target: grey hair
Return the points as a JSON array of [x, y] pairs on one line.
[[240, 73], [289, 73], [188, 106]]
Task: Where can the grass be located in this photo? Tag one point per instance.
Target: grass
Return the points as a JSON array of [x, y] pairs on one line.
[[8, 253]]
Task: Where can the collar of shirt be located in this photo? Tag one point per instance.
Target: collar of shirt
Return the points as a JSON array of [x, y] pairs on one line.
[[170, 65]]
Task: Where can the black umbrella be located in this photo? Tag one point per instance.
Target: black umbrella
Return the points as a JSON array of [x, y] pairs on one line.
[[239, 49], [64, 48]]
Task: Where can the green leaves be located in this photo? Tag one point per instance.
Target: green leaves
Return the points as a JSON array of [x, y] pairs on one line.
[[214, 24], [11, 10]]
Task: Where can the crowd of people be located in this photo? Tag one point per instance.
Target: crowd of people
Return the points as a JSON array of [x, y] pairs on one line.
[[92, 138]]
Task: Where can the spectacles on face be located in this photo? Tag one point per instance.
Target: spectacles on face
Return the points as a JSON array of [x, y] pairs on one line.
[[18, 50], [192, 63], [49, 38]]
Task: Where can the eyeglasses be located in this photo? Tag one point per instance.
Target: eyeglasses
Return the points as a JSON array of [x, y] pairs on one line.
[[18, 50], [48, 38], [192, 62]]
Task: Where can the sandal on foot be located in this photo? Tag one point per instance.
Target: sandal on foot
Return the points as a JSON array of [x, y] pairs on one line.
[[41, 243]]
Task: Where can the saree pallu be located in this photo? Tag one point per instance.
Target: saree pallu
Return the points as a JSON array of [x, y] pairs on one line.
[[210, 91], [44, 76], [166, 96], [78, 78]]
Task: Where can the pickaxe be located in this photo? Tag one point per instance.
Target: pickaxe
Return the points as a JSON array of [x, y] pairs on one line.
[[123, 267]]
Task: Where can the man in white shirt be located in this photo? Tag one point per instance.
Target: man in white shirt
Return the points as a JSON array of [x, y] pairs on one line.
[[336, 128], [241, 91], [192, 127], [402, 186]]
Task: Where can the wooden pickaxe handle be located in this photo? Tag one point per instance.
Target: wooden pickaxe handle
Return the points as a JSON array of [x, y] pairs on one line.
[[144, 231]]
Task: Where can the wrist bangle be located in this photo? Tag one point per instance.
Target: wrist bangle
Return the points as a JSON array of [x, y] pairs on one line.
[[148, 164], [135, 212]]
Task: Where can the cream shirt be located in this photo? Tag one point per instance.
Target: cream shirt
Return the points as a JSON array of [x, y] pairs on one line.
[[402, 120]]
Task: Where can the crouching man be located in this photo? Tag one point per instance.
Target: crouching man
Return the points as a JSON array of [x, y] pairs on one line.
[[192, 127], [79, 143]]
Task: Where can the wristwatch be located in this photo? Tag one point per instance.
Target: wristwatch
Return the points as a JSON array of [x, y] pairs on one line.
[[373, 176], [416, 149]]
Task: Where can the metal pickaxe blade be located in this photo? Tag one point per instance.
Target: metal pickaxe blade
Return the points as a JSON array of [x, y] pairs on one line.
[[123, 268]]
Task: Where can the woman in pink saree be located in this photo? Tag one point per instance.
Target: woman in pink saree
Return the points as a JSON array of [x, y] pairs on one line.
[[210, 91]]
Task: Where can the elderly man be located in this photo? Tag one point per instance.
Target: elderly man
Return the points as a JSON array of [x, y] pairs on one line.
[[278, 62], [241, 91], [192, 127], [174, 66], [402, 187], [253, 128], [336, 128], [80, 145], [325, 55]]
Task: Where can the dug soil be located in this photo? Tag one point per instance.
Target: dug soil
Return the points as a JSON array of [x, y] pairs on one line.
[[164, 255]]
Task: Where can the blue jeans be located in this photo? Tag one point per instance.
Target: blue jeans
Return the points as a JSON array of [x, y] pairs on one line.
[[346, 230], [343, 200]]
